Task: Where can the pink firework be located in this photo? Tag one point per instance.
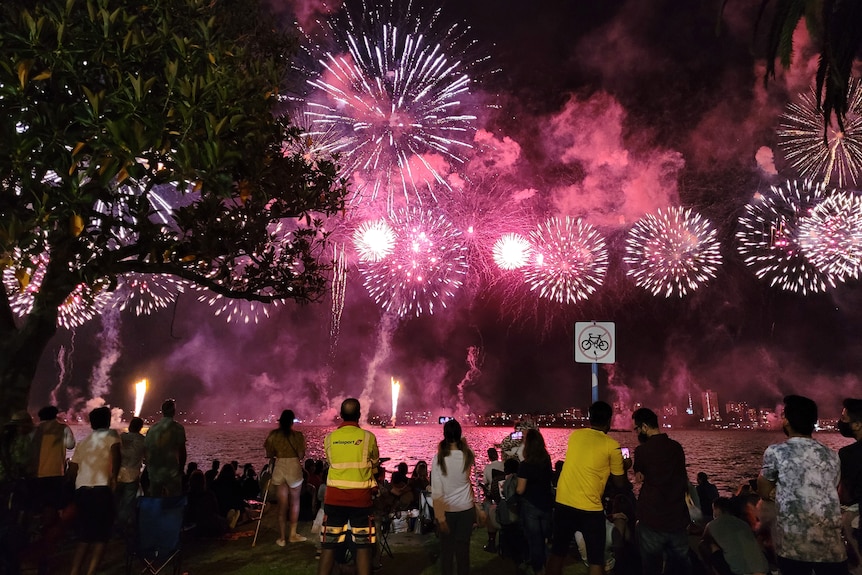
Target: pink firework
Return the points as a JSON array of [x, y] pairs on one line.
[[569, 260], [394, 91], [831, 236], [425, 269], [23, 283], [511, 252], [672, 252]]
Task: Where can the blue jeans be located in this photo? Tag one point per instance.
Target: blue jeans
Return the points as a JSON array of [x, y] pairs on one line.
[[537, 528], [659, 546]]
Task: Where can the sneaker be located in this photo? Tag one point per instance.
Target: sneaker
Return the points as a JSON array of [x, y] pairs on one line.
[[280, 542], [297, 538]]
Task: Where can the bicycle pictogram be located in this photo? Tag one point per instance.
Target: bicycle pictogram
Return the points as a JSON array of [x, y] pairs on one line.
[[594, 340]]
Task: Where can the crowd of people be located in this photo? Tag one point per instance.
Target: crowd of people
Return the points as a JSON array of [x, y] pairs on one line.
[[616, 513]]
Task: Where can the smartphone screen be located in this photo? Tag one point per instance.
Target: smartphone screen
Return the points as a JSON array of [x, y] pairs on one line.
[[517, 435], [625, 451]]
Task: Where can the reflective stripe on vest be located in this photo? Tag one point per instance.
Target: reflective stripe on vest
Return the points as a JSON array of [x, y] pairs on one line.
[[349, 467]]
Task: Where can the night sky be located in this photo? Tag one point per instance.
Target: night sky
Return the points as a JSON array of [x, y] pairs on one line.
[[601, 110]]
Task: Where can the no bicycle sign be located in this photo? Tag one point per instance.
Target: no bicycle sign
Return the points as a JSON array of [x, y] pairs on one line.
[[595, 342]]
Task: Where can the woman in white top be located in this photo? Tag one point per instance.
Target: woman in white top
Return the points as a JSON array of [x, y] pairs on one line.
[[454, 502]]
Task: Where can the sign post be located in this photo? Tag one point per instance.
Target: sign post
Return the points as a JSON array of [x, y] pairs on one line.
[[595, 343]]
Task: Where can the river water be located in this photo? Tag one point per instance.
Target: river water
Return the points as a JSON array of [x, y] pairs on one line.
[[730, 458]]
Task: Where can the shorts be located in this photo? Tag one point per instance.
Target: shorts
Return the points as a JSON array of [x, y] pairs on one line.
[[338, 520], [287, 470], [95, 514], [568, 520], [50, 492]]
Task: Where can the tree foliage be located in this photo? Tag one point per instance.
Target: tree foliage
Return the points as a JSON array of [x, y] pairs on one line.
[[106, 105], [837, 26]]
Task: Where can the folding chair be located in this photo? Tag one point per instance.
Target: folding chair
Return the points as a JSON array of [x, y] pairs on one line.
[[157, 538], [385, 530]]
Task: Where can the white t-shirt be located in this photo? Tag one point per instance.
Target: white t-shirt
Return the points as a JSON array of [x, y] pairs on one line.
[[489, 469], [453, 490], [93, 457]]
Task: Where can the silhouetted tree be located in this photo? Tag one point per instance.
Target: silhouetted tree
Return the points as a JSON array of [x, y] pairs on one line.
[[107, 104]]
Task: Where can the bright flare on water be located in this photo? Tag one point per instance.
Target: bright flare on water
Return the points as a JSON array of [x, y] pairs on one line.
[[396, 391], [140, 392]]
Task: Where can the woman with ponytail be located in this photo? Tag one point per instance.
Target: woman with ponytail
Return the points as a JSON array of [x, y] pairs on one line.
[[454, 501], [287, 447]]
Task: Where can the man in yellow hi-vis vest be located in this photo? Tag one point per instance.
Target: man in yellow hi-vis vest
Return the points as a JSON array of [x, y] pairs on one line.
[[347, 506]]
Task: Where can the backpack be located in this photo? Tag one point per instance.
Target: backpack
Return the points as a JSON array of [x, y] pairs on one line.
[[507, 508]]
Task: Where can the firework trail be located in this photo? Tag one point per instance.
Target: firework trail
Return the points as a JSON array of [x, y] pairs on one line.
[[394, 94], [425, 269], [823, 156], [569, 260], [474, 361], [339, 286], [64, 366], [831, 236], [672, 252], [769, 242], [385, 329]]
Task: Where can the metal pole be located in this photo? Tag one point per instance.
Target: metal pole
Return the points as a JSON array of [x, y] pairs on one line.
[[595, 386], [263, 505]]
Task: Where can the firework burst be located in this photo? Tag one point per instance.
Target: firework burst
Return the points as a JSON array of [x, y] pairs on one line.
[[830, 156], [23, 282], [831, 236], [511, 252], [569, 260], [394, 95], [672, 252], [769, 241], [146, 293], [374, 240], [427, 265]]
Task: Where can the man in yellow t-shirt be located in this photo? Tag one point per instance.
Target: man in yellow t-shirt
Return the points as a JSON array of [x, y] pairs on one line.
[[591, 457]]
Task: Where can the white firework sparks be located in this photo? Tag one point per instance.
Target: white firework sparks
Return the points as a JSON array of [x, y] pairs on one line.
[[832, 156], [768, 236], [569, 260], [395, 95], [831, 236], [374, 240], [672, 252], [511, 252]]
